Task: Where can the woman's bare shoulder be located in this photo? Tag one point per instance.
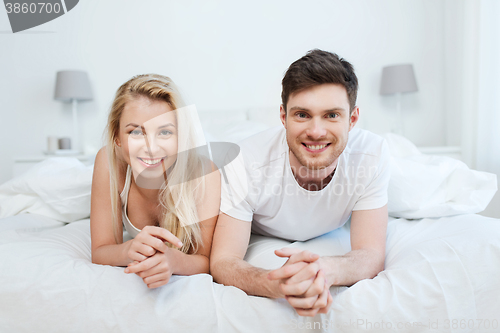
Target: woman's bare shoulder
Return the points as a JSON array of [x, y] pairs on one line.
[[101, 167]]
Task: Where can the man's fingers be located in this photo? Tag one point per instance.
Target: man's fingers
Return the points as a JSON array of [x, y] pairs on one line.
[[322, 300], [317, 287], [286, 271], [296, 289], [286, 252], [301, 302], [308, 272], [163, 234], [307, 313], [328, 305], [296, 255]]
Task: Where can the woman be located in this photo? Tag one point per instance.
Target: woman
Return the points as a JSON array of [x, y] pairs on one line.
[[149, 179]]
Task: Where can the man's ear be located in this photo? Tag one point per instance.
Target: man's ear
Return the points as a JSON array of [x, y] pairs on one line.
[[354, 117], [283, 115]]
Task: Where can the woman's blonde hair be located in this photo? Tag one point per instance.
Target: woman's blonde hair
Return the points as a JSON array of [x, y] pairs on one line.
[[178, 202]]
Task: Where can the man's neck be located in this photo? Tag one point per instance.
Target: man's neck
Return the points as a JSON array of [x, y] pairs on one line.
[[311, 179]]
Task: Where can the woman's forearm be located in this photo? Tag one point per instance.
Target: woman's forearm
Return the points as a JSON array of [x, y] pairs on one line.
[[113, 254], [189, 264]]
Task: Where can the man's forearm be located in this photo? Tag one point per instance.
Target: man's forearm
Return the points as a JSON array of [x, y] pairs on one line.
[[250, 279], [352, 267]]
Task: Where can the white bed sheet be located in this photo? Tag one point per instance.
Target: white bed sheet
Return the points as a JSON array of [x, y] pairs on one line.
[[437, 271]]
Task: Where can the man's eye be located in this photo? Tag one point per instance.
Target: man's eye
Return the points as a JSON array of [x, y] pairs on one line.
[[332, 115], [301, 114]]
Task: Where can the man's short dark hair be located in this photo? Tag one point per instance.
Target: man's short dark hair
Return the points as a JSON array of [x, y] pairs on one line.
[[319, 67]]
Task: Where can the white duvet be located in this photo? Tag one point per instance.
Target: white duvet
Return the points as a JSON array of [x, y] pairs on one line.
[[441, 271], [438, 273]]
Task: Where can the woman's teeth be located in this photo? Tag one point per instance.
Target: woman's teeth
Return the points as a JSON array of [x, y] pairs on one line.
[[151, 162], [318, 147]]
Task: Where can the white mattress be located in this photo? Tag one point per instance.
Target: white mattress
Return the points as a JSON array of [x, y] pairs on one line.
[[438, 272]]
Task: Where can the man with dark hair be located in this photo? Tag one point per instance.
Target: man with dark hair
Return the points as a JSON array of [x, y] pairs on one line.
[[301, 181]]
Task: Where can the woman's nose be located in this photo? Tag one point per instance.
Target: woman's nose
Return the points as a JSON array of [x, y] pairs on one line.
[[152, 146]]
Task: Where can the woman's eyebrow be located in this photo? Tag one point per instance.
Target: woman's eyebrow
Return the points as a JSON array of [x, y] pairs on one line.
[[167, 125], [162, 126]]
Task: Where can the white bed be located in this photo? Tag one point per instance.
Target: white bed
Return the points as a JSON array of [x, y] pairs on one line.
[[441, 270]]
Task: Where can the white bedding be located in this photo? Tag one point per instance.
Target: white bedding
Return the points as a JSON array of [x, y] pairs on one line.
[[437, 271]]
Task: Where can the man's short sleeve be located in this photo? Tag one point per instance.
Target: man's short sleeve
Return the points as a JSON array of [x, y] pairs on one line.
[[375, 193], [234, 190]]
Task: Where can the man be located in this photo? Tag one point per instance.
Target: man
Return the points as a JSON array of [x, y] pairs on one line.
[[304, 180]]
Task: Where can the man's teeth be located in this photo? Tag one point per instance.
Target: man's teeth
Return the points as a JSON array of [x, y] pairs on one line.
[[151, 162], [316, 147]]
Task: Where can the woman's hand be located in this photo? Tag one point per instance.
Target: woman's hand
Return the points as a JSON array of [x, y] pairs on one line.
[[150, 241], [156, 270]]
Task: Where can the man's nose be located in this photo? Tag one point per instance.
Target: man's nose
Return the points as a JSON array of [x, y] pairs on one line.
[[316, 129]]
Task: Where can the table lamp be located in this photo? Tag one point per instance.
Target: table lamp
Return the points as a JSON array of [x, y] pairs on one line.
[[398, 79], [73, 86]]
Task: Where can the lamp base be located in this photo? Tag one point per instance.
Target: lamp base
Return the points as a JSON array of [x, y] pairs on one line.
[[63, 152]]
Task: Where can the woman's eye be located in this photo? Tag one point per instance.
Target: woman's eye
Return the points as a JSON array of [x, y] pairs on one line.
[[136, 132], [165, 132]]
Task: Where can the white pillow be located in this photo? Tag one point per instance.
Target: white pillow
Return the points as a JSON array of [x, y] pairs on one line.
[[425, 186], [58, 188]]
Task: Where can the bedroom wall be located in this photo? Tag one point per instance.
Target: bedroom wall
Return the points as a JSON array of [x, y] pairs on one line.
[[223, 55]]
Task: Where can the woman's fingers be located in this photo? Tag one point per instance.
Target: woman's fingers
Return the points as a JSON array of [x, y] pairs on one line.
[[144, 265], [159, 283], [142, 249], [162, 234]]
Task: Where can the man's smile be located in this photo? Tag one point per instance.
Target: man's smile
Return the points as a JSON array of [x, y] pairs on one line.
[[315, 147]]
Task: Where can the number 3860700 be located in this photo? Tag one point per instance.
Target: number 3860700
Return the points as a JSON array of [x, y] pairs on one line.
[[32, 8]]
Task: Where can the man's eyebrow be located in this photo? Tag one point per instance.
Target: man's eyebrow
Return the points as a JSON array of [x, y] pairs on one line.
[[299, 108]]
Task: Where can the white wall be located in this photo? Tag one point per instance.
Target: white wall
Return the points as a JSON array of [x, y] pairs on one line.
[[223, 54]]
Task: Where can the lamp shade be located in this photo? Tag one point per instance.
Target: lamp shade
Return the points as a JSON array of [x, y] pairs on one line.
[[398, 79], [72, 85]]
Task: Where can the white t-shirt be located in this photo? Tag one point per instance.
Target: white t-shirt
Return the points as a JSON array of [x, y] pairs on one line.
[[259, 186]]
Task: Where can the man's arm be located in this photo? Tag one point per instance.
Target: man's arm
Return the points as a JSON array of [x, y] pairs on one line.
[[230, 242], [364, 261], [367, 256]]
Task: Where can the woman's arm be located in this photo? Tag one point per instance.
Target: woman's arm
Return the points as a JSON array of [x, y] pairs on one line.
[[105, 249], [156, 270]]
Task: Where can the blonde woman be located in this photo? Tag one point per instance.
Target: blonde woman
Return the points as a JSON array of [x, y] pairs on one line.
[[149, 179]]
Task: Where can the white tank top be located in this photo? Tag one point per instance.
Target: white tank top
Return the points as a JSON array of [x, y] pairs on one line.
[[131, 229]]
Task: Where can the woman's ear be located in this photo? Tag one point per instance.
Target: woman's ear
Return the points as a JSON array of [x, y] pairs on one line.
[[118, 143]]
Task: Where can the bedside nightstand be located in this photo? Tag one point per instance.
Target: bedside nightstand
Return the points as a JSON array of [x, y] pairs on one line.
[[24, 163], [449, 151]]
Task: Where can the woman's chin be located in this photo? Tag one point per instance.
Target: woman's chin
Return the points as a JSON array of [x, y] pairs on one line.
[[150, 178]]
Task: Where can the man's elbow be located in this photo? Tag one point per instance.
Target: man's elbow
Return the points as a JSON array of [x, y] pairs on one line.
[[378, 265]]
